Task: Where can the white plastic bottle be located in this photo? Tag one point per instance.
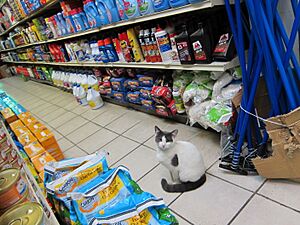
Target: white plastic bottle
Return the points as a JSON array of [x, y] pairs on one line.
[[81, 95], [84, 82], [94, 99], [93, 82], [164, 45]]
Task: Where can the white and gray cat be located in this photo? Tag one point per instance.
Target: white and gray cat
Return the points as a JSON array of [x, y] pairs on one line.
[[182, 159]]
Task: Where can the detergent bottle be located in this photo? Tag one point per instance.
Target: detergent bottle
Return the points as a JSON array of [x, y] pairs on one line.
[[131, 8], [92, 14], [118, 49], [160, 5], [178, 3], [110, 50], [93, 82], [62, 23], [145, 7], [78, 21], [108, 11], [103, 53], [95, 51], [81, 95], [94, 99], [84, 82], [121, 9], [84, 18]]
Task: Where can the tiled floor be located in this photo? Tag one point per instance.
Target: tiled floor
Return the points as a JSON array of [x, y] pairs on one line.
[[128, 136]]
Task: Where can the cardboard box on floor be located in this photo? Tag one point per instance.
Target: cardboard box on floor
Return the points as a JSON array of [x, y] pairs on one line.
[[9, 115], [285, 159]]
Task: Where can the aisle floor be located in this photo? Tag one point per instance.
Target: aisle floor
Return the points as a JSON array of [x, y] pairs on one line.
[[128, 136]]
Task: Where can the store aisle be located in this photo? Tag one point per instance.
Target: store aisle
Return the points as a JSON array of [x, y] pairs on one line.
[[128, 136]]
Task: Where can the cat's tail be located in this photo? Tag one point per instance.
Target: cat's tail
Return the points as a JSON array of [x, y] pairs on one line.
[[183, 187]]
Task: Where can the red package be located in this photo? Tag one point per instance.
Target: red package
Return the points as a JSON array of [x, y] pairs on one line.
[[172, 108], [161, 94]]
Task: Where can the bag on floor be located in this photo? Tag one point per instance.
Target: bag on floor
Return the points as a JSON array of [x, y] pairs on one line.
[[110, 199]]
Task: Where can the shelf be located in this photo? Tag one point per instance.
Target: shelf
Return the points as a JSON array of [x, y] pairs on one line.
[[32, 15], [214, 66], [157, 15], [33, 186]]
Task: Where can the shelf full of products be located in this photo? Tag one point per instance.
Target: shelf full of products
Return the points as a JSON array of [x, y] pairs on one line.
[[130, 21], [34, 189]]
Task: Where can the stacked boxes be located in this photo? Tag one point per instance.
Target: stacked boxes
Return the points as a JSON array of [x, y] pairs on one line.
[[9, 115]]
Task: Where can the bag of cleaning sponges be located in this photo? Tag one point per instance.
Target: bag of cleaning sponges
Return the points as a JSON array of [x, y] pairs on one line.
[[55, 170], [114, 198], [58, 189]]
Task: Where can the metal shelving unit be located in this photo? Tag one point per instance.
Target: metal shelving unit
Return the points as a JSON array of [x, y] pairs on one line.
[[214, 66], [35, 190], [32, 15], [158, 15]]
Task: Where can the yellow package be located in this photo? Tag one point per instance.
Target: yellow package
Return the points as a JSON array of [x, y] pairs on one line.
[[134, 43]]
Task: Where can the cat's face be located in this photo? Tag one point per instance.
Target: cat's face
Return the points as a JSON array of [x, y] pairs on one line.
[[163, 139]]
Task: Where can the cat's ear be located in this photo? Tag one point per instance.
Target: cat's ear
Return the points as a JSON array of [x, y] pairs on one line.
[[174, 133], [157, 130]]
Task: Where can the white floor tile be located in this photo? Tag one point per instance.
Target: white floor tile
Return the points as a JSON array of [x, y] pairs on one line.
[[107, 117], [261, 211], [74, 152], [83, 132], [62, 119], [283, 191], [216, 202], [250, 182], [54, 115], [65, 144], [97, 140], [139, 162], [71, 125]]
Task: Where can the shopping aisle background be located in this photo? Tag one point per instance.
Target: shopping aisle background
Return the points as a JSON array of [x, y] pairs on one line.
[[128, 136]]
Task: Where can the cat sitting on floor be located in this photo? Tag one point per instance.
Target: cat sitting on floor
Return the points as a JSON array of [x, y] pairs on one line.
[[182, 159]]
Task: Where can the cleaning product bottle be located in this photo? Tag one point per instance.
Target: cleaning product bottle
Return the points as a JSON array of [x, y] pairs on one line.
[[70, 23], [121, 9], [201, 45], [93, 82], [84, 18], [95, 51], [145, 7], [94, 99], [103, 53], [155, 48], [160, 5], [118, 49], [84, 82], [108, 11], [78, 21], [184, 47], [178, 3], [110, 50], [92, 13], [81, 95], [131, 8], [126, 48], [134, 43], [225, 49], [164, 45], [62, 23], [143, 46]]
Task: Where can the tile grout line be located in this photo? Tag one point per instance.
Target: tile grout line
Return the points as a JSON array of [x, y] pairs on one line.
[[177, 214], [246, 203]]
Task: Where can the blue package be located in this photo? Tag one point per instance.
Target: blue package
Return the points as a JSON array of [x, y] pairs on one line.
[[145, 81], [119, 95], [117, 84], [148, 103], [133, 97], [145, 92], [132, 84], [109, 196]]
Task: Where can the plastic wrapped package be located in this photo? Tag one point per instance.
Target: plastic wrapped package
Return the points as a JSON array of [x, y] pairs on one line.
[[199, 110], [215, 75], [230, 91], [224, 80], [114, 198]]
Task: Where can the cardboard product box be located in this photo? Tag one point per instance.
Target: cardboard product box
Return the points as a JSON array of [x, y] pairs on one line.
[[33, 149], [45, 137], [40, 160], [35, 126], [9, 115], [29, 120], [24, 115], [18, 128], [285, 159], [26, 138], [55, 151]]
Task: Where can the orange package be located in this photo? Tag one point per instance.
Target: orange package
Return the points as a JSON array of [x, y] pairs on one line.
[[40, 160], [29, 120], [26, 138], [9, 115], [33, 149], [35, 126], [55, 151], [18, 127], [45, 136], [24, 115]]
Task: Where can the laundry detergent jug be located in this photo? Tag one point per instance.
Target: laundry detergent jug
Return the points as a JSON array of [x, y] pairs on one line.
[[108, 11], [92, 14], [131, 8], [160, 5], [93, 82], [94, 99], [145, 7], [178, 3]]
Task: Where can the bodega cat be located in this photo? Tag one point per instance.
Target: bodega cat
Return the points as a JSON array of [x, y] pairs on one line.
[[182, 159]]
